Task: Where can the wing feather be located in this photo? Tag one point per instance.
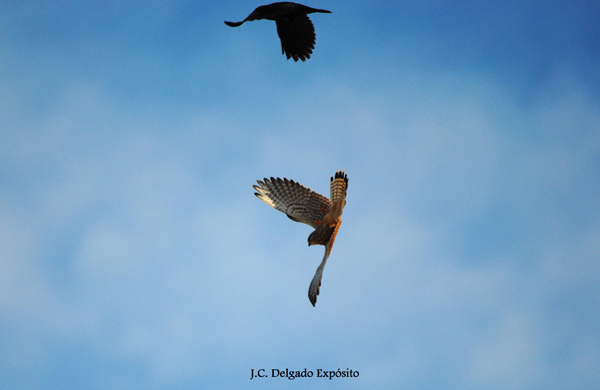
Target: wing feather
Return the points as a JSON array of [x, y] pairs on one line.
[[339, 187], [299, 203], [297, 34]]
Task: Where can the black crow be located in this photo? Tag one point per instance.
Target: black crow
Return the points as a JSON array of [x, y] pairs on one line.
[[294, 28]]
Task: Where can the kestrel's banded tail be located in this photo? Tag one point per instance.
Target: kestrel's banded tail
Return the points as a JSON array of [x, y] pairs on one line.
[[301, 204]]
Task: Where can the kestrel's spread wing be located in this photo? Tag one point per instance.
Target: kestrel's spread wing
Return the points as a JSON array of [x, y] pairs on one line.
[[295, 30], [301, 204]]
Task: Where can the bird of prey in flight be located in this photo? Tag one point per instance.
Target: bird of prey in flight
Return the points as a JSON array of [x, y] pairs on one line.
[[301, 204]]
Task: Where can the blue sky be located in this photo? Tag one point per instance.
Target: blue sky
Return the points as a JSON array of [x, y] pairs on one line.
[[134, 254]]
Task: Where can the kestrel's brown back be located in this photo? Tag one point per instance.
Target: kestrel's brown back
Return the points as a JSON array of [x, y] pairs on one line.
[[301, 204]]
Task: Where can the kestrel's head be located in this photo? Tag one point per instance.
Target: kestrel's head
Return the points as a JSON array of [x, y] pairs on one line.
[[321, 235], [312, 238]]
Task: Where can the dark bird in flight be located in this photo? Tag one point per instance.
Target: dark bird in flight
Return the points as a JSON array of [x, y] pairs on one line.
[[294, 28]]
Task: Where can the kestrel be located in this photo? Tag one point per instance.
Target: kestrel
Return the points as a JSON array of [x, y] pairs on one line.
[[301, 204], [294, 28]]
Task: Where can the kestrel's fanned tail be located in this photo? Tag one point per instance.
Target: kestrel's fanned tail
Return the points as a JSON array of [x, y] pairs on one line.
[[315, 284]]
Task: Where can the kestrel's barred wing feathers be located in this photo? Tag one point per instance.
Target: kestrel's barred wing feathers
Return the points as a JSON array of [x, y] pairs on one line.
[[339, 187], [325, 233], [299, 203]]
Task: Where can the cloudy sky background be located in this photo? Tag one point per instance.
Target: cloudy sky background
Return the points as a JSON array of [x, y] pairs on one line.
[[134, 255]]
